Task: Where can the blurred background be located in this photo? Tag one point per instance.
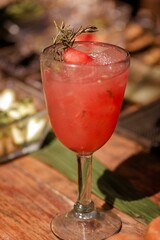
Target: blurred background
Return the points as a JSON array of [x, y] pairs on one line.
[[27, 26]]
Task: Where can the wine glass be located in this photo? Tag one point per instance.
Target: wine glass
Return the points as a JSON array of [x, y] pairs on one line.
[[84, 102]]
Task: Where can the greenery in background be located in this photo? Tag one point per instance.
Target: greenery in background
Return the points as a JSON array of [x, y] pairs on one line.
[[25, 10]]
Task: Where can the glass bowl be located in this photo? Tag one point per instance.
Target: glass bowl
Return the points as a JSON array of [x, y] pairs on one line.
[[23, 119]]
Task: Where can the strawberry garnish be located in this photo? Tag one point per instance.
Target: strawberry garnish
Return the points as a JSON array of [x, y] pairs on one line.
[[72, 55], [63, 44]]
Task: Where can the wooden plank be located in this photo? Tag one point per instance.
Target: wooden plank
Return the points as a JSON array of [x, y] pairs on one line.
[[64, 186], [27, 205], [129, 160], [116, 151], [31, 193]]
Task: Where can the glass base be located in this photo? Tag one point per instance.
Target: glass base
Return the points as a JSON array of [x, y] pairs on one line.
[[97, 225]]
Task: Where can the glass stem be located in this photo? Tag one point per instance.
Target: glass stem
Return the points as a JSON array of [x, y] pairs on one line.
[[84, 203]]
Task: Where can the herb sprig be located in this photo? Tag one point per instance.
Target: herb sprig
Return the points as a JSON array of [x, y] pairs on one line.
[[66, 37]]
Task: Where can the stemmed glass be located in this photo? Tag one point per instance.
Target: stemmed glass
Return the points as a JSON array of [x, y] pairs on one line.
[[84, 102]]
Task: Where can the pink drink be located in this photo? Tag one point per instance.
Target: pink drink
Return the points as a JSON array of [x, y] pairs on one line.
[[84, 101]]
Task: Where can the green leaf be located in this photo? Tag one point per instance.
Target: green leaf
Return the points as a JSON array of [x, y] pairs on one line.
[[107, 185]]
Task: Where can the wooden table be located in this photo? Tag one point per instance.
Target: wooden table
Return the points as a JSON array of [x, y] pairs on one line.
[[31, 193]]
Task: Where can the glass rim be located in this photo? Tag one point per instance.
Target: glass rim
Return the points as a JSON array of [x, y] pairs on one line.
[[126, 59]]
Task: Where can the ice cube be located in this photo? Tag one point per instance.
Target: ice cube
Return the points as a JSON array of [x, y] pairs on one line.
[[110, 55]]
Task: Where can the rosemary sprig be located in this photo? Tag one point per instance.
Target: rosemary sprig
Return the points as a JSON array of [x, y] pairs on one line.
[[66, 37]]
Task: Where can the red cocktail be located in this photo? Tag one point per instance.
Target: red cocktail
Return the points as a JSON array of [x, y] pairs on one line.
[[84, 101]]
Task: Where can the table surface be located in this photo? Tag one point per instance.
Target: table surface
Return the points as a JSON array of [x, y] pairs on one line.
[[32, 193]]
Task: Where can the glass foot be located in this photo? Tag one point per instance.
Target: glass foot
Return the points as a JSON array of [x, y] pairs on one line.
[[98, 225]]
